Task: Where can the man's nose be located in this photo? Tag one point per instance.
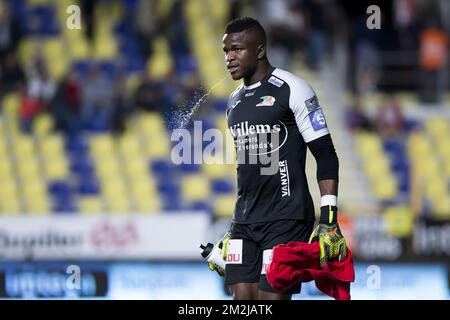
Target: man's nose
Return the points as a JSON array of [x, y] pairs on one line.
[[230, 56]]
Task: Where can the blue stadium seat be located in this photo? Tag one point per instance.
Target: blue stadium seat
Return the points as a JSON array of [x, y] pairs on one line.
[[77, 145], [220, 105], [81, 67], [161, 167], [201, 206], [185, 63], [59, 188], [64, 205], [221, 186], [109, 69], [88, 185], [167, 187], [171, 202], [81, 165], [190, 168]]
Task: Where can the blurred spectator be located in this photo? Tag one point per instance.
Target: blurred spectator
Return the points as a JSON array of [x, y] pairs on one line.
[[390, 121], [96, 98], [145, 25], [367, 58], [29, 107], [317, 18], [122, 107], [40, 85], [356, 118], [11, 74], [151, 96], [66, 103], [88, 10], [10, 31], [176, 30], [285, 24], [433, 61]]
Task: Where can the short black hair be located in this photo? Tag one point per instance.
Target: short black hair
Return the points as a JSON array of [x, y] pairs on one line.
[[244, 23]]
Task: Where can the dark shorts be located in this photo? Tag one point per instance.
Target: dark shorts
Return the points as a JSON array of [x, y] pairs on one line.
[[250, 249]]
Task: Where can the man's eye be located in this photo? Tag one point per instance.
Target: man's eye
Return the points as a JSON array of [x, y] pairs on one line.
[[237, 49]]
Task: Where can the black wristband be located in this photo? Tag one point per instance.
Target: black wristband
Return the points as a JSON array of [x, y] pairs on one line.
[[328, 214]]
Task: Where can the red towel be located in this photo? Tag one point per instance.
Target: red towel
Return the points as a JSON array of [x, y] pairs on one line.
[[297, 262]]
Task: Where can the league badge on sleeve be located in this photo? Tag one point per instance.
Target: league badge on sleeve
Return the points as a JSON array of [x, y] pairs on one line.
[[312, 103], [317, 120]]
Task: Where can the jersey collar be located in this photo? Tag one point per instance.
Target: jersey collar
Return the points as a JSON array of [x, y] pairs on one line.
[[257, 84]]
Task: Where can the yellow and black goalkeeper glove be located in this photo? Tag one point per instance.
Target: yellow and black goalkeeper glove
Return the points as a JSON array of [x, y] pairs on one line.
[[222, 244], [331, 241]]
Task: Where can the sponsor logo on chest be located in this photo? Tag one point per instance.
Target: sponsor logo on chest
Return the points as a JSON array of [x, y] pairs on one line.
[[267, 101]]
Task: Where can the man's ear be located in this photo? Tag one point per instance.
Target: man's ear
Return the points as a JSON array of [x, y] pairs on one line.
[[261, 51]]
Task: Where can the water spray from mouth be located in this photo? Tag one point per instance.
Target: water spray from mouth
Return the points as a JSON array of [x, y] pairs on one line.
[[182, 117]]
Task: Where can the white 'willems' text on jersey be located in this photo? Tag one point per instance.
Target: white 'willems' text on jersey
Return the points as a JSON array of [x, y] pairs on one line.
[[274, 119]]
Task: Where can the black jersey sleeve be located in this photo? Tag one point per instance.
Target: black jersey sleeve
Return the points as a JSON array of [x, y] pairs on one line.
[[326, 158]]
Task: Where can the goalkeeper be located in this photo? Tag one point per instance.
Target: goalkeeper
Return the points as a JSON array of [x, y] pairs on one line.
[[272, 209]]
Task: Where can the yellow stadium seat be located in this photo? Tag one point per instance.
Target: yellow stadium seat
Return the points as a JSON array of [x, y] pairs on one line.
[[148, 204], [441, 208], [436, 187], [38, 206], [418, 144], [105, 47], [195, 188], [160, 65], [377, 167], [443, 147], [158, 147], [91, 205], [215, 171], [58, 68], [143, 186], [28, 169], [52, 146], [223, 206], [38, 2], [368, 144], [427, 166], [102, 146], [437, 127], [113, 188], [136, 168], [10, 206], [132, 83], [447, 168], [194, 11], [78, 46], [385, 188], [23, 147], [6, 169], [4, 152], [34, 188], [107, 167], [57, 169], [150, 122], [27, 49], [399, 221], [43, 125], [8, 189], [53, 48], [119, 205], [219, 12], [163, 9], [129, 144]]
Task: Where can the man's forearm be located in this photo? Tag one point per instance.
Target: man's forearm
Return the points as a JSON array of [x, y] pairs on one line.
[[328, 202], [328, 187]]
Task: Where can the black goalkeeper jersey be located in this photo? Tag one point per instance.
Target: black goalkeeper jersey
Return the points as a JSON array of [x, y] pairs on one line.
[[271, 121]]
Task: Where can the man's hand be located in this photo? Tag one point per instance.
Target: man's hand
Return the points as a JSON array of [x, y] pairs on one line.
[[223, 245], [331, 241]]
